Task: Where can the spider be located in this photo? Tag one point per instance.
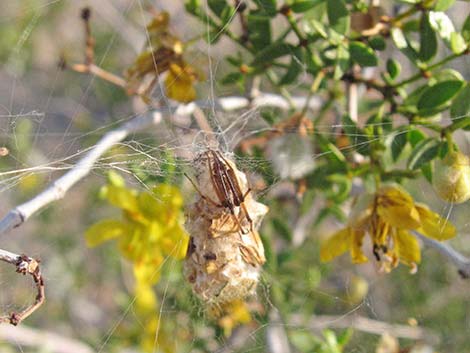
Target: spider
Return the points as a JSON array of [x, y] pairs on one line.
[[226, 187]]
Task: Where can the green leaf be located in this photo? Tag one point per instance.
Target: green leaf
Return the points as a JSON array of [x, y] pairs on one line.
[[428, 40], [426, 169], [342, 63], [232, 78], [415, 136], [362, 54], [457, 43], [442, 5], [272, 52], [460, 107], [217, 6], [377, 43], [403, 45], [295, 68], [338, 15], [439, 94], [304, 5], [268, 6], [446, 30], [424, 152], [466, 29], [393, 68], [259, 29], [104, 230], [398, 143]]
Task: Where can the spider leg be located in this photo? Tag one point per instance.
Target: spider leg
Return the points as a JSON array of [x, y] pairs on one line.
[[206, 198]]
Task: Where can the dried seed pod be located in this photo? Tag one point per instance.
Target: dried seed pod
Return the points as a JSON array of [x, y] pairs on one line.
[[225, 253]]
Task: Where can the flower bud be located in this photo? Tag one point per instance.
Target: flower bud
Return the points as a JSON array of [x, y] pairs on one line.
[[451, 178]]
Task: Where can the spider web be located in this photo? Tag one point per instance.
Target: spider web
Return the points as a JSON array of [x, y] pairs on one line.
[[50, 118]]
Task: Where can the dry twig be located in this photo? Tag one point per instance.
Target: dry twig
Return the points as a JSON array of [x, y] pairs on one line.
[[24, 265], [364, 324]]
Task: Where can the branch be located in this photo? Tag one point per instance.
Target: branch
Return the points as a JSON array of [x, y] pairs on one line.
[[24, 265], [364, 324], [58, 188], [460, 261], [41, 340]]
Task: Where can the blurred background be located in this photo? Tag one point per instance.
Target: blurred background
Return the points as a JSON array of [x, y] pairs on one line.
[[49, 116]]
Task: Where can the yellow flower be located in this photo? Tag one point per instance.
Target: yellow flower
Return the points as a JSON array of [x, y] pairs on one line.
[[164, 53], [150, 229], [387, 218], [234, 313], [179, 83]]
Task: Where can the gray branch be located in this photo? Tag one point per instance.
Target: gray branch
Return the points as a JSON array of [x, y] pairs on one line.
[[460, 261]]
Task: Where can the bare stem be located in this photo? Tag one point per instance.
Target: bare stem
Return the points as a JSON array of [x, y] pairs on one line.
[[460, 261], [24, 265]]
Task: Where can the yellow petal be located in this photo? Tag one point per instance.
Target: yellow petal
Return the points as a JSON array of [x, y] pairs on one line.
[[356, 238], [175, 242], [122, 197], [235, 313], [179, 84], [433, 225], [406, 247], [335, 245], [146, 300], [397, 208], [103, 231]]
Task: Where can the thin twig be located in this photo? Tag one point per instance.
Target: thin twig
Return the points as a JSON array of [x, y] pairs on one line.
[[99, 72], [364, 324], [460, 261], [276, 336], [58, 188], [24, 265], [41, 340]]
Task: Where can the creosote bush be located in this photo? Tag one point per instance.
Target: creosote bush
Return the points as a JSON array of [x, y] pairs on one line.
[[371, 106]]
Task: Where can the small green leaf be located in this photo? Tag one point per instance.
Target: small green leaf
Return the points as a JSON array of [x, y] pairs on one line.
[[457, 43], [342, 63], [460, 107], [104, 230], [268, 6], [338, 15], [272, 52], [294, 70], [424, 152], [393, 68], [442, 5], [232, 78], [466, 29], [415, 136], [259, 29], [398, 144], [192, 6], [439, 94], [446, 30], [426, 169], [217, 6], [304, 5], [428, 40], [377, 43], [362, 54], [403, 45]]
